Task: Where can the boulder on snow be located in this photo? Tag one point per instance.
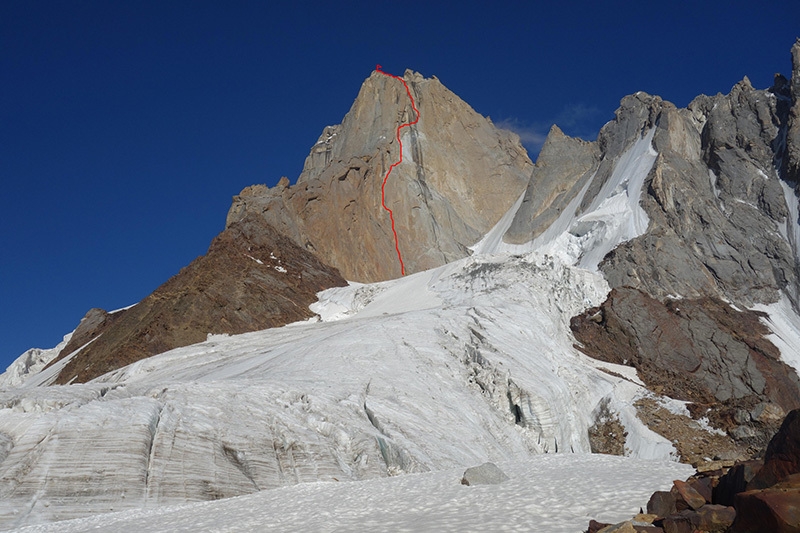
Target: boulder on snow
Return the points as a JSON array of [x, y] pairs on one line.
[[485, 474]]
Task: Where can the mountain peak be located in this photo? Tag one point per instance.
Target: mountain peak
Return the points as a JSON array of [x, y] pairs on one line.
[[458, 176]]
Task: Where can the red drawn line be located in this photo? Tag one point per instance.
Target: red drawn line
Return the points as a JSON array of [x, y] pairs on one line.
[[383, 186]]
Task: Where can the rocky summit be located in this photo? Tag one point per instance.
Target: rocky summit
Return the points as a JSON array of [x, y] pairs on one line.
[[459, 175], [635, 295]]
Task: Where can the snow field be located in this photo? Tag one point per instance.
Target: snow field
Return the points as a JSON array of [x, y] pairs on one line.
[[554, 493], [423, 375], [473, 363]]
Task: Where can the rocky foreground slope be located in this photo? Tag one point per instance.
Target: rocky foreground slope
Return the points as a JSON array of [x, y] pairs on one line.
[[634, 295]]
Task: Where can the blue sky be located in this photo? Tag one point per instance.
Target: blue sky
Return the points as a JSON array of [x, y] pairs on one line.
[[126, 127]]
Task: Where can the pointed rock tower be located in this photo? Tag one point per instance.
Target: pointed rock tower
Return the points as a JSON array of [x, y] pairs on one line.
[[459, 175]]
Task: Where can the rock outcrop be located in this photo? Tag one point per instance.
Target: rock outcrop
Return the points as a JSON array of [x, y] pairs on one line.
[[782, 458], [251, 278], [746, 497], [699, 350], [713, 196], [722, 235], [459, 175], [791, 97]]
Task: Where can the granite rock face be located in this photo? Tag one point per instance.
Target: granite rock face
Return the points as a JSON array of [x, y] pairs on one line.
[[459, 175], [563, 168], [719, 221], [714, 201]]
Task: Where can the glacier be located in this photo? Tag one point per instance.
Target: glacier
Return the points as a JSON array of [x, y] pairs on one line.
[[467, 363]]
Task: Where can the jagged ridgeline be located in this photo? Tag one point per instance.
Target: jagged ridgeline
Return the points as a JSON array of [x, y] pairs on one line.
[[637, 294]]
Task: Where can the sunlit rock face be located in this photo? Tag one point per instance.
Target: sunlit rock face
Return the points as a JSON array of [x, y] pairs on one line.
[[717, 207], [721, 234], [459, 175]]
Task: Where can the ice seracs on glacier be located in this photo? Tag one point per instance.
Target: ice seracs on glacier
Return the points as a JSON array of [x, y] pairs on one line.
[[450, 367]]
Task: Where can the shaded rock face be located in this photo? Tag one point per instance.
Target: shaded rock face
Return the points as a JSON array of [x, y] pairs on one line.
[[563, 168], [791, 157], [716, 198], [696, 350], [699, 350], [95, 322], [251, 278], [735, 481], [782, 458], [458, 177], [714, 201]]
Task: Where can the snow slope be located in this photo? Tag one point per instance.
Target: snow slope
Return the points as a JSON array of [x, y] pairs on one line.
[[443, 369], [613, 216], [553, 493]]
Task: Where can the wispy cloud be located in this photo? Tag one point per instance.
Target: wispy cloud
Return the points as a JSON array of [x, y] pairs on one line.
[[577, 120], [531, 136]]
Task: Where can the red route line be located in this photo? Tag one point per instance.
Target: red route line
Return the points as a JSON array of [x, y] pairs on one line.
[[383, 186]]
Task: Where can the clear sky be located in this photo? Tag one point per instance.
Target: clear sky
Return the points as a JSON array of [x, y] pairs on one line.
[[126, 127]]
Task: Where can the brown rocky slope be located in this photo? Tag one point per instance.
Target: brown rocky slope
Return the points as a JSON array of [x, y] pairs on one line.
[[251, 278]]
